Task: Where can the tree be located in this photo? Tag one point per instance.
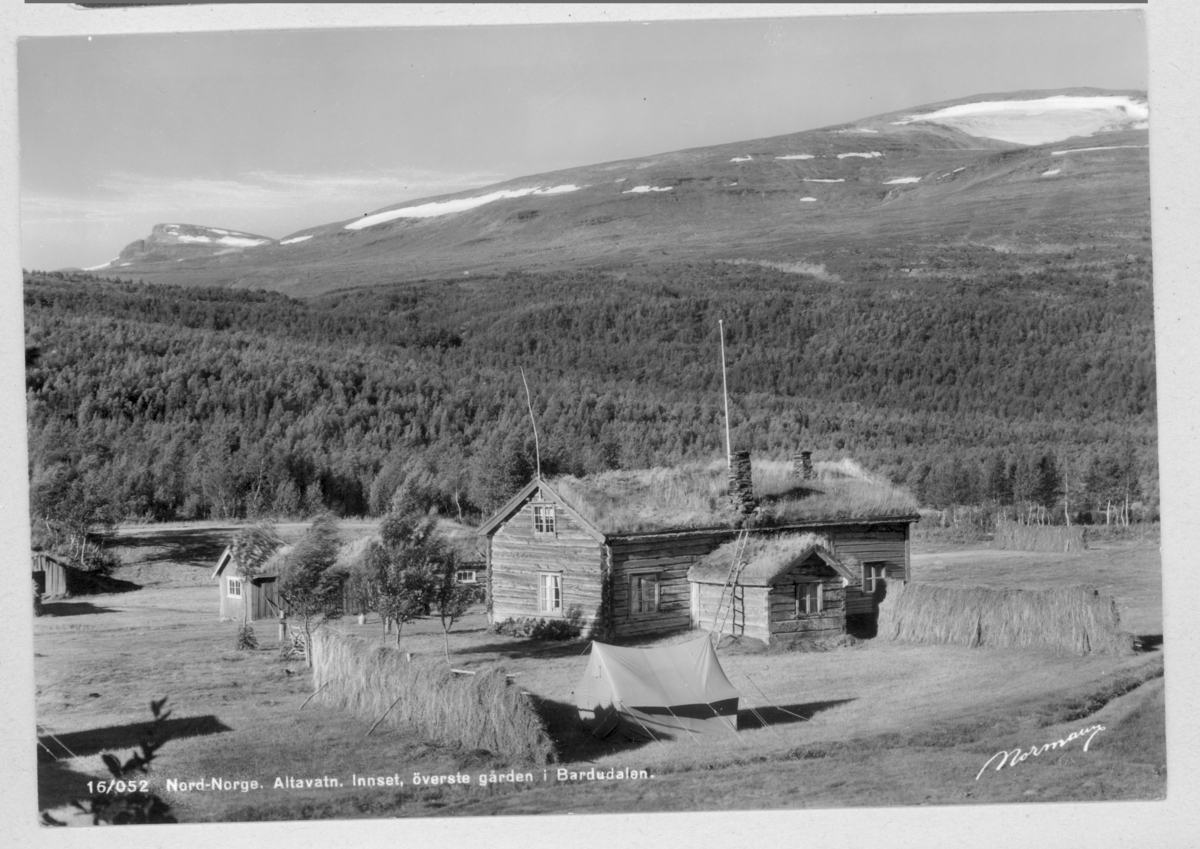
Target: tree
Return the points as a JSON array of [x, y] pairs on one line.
[[997, 484], [450, 598], [406, 564], [498, 470], [1048, 486], [1024, 483], [73, 506], [309, 583]]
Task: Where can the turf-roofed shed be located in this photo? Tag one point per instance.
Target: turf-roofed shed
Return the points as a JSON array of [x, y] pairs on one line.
[[613, 550], [258, 596], [789, 587]]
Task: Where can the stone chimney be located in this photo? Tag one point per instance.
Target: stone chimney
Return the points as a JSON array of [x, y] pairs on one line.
[[741, 484], [802, 466]]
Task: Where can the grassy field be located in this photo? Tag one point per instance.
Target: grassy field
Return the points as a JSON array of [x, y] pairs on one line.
[[875, 724]]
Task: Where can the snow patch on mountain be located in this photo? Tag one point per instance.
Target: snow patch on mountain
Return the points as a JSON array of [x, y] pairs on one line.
[[808, 200], [102, 265], [447, 207], [1048, 119], [899, 180], [1051, 172], [191, 235], [822, 180], [872, 155], [797, 156], [741, 159], [296, 239], [638, 190]]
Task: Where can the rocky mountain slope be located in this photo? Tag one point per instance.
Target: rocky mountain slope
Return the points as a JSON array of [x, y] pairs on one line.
[[1026, 172]]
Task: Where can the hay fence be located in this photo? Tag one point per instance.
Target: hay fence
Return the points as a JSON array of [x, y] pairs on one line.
[[1019, 536], [1074, 620], [481, 711]]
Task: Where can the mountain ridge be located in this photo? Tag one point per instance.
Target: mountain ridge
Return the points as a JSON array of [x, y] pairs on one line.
[[788, 198]]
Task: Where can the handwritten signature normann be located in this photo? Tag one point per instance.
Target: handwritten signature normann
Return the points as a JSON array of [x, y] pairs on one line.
[[1016, 756]]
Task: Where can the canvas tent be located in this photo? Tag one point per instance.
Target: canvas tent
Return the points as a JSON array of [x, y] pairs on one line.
[[660, 692]]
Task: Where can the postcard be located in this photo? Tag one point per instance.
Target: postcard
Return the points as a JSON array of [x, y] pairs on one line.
[[606, 419]]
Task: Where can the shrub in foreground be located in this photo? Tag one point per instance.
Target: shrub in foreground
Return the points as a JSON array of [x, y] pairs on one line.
[[247, 640], [130, 803]]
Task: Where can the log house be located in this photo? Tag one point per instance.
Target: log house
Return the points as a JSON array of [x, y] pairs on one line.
[[546, 558]]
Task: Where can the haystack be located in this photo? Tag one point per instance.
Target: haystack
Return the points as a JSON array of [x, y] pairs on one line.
[[1074, 620], [481, 711], [1019, 536]]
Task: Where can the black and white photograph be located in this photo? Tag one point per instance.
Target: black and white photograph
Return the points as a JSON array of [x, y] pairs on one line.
[[624, 417]]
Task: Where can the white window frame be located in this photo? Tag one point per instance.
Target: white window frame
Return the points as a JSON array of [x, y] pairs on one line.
[[803, 598], [637, 594], [545, 520], [466, 576], [550, 592], [234, 584], [873, 573]]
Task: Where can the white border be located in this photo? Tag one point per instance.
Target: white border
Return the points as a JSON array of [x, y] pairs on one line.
[[1175, 95]]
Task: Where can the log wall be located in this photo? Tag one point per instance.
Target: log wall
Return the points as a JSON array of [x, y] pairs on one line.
[[669, 558], [748, 611], [517, 554], [886, 544], [786, 625]]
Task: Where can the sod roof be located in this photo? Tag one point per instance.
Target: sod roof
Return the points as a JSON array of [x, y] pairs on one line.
[[696, 496], [765, 557]]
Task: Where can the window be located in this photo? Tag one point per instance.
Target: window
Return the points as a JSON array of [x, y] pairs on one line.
[[543, 518], [549, 593], [874, 577], [810, 598], [467, 576], [235, 587], [643, 594]]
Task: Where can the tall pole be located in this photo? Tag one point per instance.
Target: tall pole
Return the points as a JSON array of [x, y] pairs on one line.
[[536, 447], [725, 392]]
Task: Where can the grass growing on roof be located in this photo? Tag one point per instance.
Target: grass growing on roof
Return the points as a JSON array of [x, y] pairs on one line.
[[697, 496], [765, 556], [1075, 620]]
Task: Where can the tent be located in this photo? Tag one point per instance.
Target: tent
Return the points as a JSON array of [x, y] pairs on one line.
[[652, 693]]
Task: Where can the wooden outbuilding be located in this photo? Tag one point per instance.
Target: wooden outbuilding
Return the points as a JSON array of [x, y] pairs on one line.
[[791, 587], [255, 599], [51, 575], [618, 552]]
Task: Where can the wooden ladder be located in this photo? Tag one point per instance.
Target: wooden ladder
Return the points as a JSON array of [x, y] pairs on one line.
[[735, 572]]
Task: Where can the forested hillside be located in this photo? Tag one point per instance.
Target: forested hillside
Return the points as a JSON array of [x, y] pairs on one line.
[[979, 377]]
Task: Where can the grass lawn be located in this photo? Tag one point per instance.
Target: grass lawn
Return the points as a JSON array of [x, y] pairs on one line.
[[875, 724]]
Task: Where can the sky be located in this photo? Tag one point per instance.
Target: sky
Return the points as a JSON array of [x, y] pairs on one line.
[[273, 132]]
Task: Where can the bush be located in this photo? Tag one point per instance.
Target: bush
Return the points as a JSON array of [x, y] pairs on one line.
[[37, 600], [540, 629], [247, 640]]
